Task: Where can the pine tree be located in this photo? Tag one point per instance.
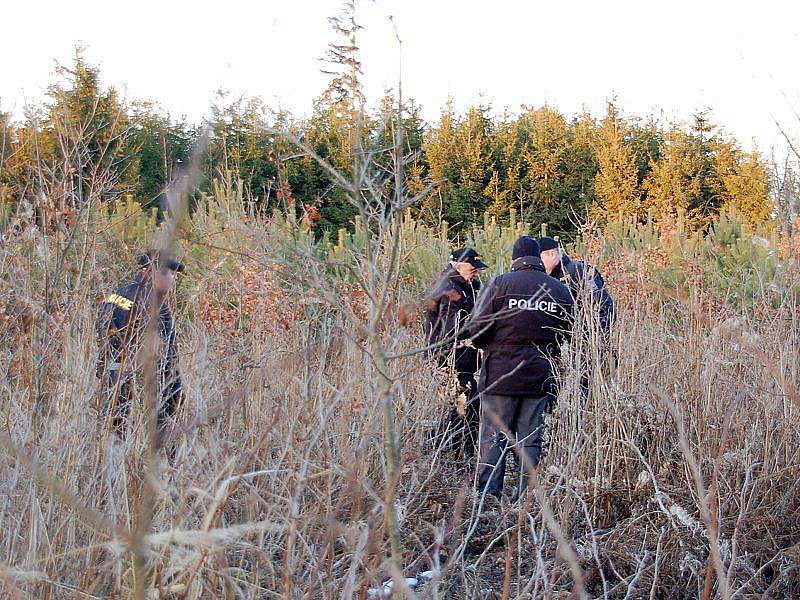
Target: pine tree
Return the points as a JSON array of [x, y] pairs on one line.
[[460, 154], [672, 184], [87, 136], [617, 180], [705, 203], [380, 133], [337, 128], [475, 145], [580, 170], [741, 183], [543, 153], [785, 182], [646, 140], [505, 188], [160, 146], [243, 148], [498, 194], [7, 167], [440, 151]]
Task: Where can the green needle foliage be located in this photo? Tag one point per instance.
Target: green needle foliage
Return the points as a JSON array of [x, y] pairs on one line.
[[536, 162]]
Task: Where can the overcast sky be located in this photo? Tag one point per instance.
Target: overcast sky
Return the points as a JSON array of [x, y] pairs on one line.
[[664, 58]]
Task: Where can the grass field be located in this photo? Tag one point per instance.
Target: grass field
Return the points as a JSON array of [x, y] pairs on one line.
[[677, 478]]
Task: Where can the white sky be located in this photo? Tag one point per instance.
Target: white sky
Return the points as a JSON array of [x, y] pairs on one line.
[[664, 58]]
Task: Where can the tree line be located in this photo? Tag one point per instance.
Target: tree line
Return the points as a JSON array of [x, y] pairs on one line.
[[84, 141]]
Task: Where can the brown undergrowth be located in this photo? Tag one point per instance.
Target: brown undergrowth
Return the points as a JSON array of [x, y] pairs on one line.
[[676, 477]]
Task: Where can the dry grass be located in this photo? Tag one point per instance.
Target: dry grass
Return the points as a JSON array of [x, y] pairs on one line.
[[677, 478]]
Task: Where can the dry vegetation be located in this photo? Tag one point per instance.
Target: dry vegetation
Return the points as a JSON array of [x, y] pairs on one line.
[[677, 478]]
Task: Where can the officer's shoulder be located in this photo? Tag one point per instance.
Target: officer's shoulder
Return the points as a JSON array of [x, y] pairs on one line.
[[501, 278], [446, 287], [558, 286], [581, 267], [441, 282], [128, 290], [575, 266], [556, 283], [583, 270]]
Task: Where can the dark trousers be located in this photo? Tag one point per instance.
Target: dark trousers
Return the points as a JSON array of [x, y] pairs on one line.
[[514, 423], [119, 393]]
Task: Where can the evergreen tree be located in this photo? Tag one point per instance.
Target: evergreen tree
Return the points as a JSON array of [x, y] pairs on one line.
[[673, 184], [85, 143], [705, 203], [475, 156], [160, 146], [7, 167], [329, 133], [414, 128], [646, 140], [740, 183], [381, 134], [460, 154], [543, 151], [86, 136], [242, 148], [617, 180], [784, 181], [581, 168], [440, 151], [505, 188], [337, 127]]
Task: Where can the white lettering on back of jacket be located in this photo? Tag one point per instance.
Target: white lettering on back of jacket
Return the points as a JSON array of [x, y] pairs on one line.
[[540, 304]]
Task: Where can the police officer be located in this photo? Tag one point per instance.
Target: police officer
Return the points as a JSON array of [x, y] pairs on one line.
[[578, 277], [520, 321], [121, 329], [449, 303]]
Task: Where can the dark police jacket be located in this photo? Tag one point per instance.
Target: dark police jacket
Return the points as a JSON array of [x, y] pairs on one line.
[[580, 277], [448, 305], [520, 321], [121, 327]]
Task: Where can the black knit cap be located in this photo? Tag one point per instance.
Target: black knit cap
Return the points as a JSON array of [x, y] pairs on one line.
[[525, 246], [547, 243]]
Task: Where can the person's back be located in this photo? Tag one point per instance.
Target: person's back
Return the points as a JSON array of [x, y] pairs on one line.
[[520, 321], [583, 280]]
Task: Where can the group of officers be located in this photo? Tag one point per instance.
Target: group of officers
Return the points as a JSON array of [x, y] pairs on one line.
[[519, 321]]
